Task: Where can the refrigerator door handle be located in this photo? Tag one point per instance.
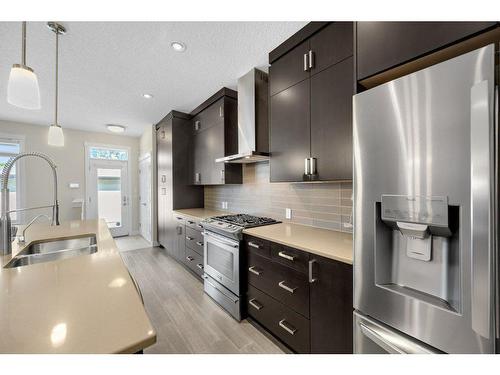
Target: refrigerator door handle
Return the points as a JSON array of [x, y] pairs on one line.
[[481, 209]]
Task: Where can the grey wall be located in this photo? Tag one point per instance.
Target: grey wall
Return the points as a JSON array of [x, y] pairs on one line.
[[324, 205]]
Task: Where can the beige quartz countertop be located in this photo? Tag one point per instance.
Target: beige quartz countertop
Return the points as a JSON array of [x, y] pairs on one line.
[[200, 213], [85, 304], [323, 242]]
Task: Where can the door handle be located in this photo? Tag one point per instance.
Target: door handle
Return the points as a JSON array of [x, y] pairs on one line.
[[197, 125], [255, 304], [197, 177], [286, 256], [254, 271], [305, 62], [282, 285], [124, 200], [163, 178], [311, 59], [287, 327], [221, 112], [311, 278], [481, 211]]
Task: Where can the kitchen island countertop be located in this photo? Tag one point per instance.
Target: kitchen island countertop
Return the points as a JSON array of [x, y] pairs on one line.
[[84, 304]]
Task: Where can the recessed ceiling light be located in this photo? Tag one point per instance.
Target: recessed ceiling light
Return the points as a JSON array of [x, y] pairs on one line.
[[147, 96], [178, 46], [116, 128]]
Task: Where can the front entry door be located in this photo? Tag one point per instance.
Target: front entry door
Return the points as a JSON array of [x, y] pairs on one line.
[[108, 195]]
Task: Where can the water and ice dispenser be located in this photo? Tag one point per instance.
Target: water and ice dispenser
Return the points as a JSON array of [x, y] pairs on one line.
[[416, 248]]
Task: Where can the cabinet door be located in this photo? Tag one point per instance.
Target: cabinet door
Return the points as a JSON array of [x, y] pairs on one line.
[[201, 168], [331, 121], [179, 239], [382, 45], [290, 133], [288, 69], [331, 306], [331, 45], [214, 138]]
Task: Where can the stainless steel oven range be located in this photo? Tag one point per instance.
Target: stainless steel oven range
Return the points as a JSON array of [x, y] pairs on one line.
[[223, 259]]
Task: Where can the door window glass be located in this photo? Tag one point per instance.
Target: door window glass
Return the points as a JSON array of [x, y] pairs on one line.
[[109, 196]]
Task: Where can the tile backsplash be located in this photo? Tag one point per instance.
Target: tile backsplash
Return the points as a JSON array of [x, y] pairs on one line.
[[325, 205]]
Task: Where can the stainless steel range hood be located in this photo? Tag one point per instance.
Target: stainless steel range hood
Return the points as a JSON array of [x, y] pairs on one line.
[[253, 128]]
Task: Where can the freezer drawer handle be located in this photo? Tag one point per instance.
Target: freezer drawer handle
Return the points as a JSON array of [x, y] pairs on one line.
[[255, 304], [190, 258], [287, 327], [373, 335], [282, 285], [286, 256], [254, 271]]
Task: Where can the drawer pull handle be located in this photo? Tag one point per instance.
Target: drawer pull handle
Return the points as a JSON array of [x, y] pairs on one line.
[[200, 266], [286, 256], [287, 327], [254, 245], [179, 218], [190, 222], [254, 271], [199, 226], [255, 304], [199, 243], [190, 258], [282, 285], [189, 238]]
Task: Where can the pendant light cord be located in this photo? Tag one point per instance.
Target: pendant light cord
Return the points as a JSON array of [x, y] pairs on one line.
[[23, 53], [57, 76]]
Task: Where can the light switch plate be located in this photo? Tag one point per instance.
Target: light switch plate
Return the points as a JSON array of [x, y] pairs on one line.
[[288, 213]]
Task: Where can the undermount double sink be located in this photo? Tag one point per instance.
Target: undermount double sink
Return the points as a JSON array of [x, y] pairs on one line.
[[51, 250]]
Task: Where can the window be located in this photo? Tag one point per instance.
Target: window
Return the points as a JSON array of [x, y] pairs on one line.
[[9, 148], [108, 154]]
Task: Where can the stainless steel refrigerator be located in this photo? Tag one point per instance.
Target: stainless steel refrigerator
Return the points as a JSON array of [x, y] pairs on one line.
[[425, 217]]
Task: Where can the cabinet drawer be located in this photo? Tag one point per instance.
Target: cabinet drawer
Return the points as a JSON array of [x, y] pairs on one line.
[[194, 223], [290, 257], [287, 325], [194, 261], [284, 284], [257, 246], [194, 240]]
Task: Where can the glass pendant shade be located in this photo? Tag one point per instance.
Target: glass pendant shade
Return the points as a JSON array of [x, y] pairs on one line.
[[22, 89], [56, 136]]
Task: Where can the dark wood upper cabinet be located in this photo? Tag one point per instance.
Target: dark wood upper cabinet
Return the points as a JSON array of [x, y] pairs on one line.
[[215, 135], [290, 132], [289, 69], [331, 45], [331, 121], [310, 108], [331, 306], [383, 45]]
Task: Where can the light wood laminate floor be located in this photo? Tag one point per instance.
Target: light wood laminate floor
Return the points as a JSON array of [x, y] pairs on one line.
[[187, 320]]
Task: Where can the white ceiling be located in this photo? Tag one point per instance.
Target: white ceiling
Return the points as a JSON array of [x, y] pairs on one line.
[[104, 68]]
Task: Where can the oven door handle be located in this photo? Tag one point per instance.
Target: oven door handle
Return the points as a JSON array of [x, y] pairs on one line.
[[216, 238]]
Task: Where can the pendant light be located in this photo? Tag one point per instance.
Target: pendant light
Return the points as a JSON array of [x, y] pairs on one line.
[[22, 89], [56, 136]]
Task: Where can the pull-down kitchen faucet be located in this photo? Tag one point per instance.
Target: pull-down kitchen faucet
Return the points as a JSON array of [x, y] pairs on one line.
[[5, 224]]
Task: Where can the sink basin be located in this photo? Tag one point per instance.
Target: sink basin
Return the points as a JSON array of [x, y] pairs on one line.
[[48, 251]]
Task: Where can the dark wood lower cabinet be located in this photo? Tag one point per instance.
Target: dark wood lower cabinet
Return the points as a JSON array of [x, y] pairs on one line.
[[331, 306], [308, 308]]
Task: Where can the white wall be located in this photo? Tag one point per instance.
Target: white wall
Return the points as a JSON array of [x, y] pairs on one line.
[[147, 145], [70, 161]]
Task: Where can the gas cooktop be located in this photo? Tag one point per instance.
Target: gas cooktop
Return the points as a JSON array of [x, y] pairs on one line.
[[233, 225]]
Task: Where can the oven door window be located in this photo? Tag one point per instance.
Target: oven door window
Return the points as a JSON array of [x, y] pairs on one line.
[[220, 259]]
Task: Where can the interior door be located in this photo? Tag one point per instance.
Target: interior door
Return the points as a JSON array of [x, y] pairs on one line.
[[145, 197], [108, 195]]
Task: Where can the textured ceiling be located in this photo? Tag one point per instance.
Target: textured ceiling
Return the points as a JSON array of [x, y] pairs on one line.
[[106, 67]]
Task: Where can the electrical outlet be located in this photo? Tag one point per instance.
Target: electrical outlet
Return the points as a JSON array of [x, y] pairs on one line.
[[224, 205], [288, 213]]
